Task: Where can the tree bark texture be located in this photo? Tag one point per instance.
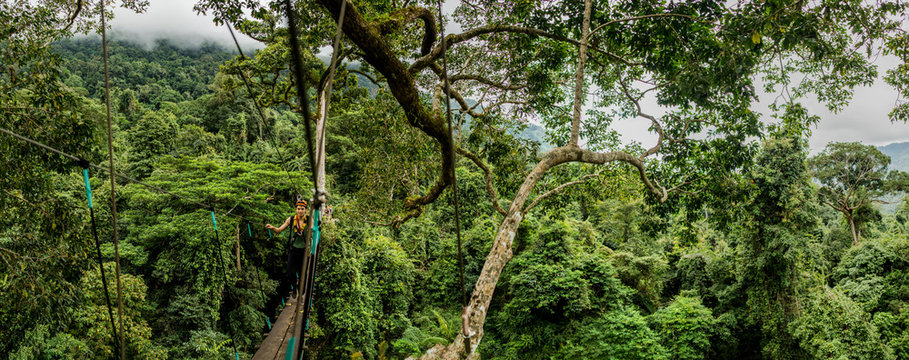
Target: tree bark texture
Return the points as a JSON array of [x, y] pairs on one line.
[[851, 218], [579, 76], [320, 138]]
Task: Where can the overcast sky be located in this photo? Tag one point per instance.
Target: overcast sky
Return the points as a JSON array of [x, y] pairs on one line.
[[864, 120]]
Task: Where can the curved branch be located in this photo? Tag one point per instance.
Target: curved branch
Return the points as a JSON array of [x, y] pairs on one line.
[[398, 221], [367, 76], [431, 57], [598, 28], [72, 18], [560, 188], [481, 79], [376, 51], [406, 15], [323, 80], [493, 197]]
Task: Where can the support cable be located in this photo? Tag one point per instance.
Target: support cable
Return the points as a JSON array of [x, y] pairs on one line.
[[91, 210], [113, 190], [219, 254], [302, 94], [454, 182], [79, 161], [259, 281], [260, 111], [295, 348]]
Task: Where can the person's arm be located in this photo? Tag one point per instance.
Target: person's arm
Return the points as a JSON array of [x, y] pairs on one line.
[[279, 229]]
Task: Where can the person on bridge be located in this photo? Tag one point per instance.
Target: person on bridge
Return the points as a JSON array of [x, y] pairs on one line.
[[295, 249]]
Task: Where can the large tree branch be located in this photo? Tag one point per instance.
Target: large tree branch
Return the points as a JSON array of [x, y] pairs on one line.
[[431, 57], [579, 77], [501, 252], [367, 76], [404, 16], [487, 81], [493, 197], [382, 57], [633, 18], [398, 220], [559, 189]]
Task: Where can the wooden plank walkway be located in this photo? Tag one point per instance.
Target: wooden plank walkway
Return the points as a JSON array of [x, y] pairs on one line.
[[274, 347]]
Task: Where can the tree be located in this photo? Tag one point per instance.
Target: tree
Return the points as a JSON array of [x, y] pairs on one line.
[[528, 60], [774, 241], [853, 175]]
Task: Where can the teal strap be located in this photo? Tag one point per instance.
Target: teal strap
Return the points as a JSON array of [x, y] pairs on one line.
[[289, 355], [315, 231], [213, 221], [88, 187], [269, 233], [249, 229], [282, 302], [238, 355], [268, 321]]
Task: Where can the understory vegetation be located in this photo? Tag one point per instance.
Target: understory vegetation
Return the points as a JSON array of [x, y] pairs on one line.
[[761, 251]]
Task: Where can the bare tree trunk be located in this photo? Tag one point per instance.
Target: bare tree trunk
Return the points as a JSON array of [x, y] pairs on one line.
[[498, 256], [855, 239], [501, 254], [579, 76], [320, 139]]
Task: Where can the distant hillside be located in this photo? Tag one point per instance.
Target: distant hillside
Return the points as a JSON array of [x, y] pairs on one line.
[[165, 73], [899, 155], [899, 160]]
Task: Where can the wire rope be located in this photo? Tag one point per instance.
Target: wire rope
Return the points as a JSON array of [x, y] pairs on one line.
[[454, 182], [113, 190]]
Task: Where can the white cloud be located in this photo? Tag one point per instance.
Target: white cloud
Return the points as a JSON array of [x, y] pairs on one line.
[[174, 20]]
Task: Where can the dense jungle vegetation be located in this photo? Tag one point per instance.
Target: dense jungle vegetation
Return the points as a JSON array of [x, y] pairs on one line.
[[749, 249]]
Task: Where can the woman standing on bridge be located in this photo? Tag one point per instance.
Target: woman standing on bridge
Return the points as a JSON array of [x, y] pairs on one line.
[[300, 221]]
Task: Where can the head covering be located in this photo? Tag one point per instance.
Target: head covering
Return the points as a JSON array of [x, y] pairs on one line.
[[300, 201]]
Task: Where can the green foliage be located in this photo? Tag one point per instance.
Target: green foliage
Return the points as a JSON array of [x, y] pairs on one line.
[[684, 328], [161, 72], [871, 275], [737, 268], [152, 137], [646, 274], [368, 291], [832, 326], [556, 281], [894, 330], [92, 322], [618, 334], [774, 244]]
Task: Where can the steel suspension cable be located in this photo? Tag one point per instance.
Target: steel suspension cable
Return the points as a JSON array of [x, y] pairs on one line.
[[113, 190], [79, 161], [91, 210], [302, 96], [454, 182], [260, 111], [219, 254]]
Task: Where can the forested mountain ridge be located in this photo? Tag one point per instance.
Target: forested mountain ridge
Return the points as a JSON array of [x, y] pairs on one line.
[[718, 249], [166, 72], [899, 155]]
